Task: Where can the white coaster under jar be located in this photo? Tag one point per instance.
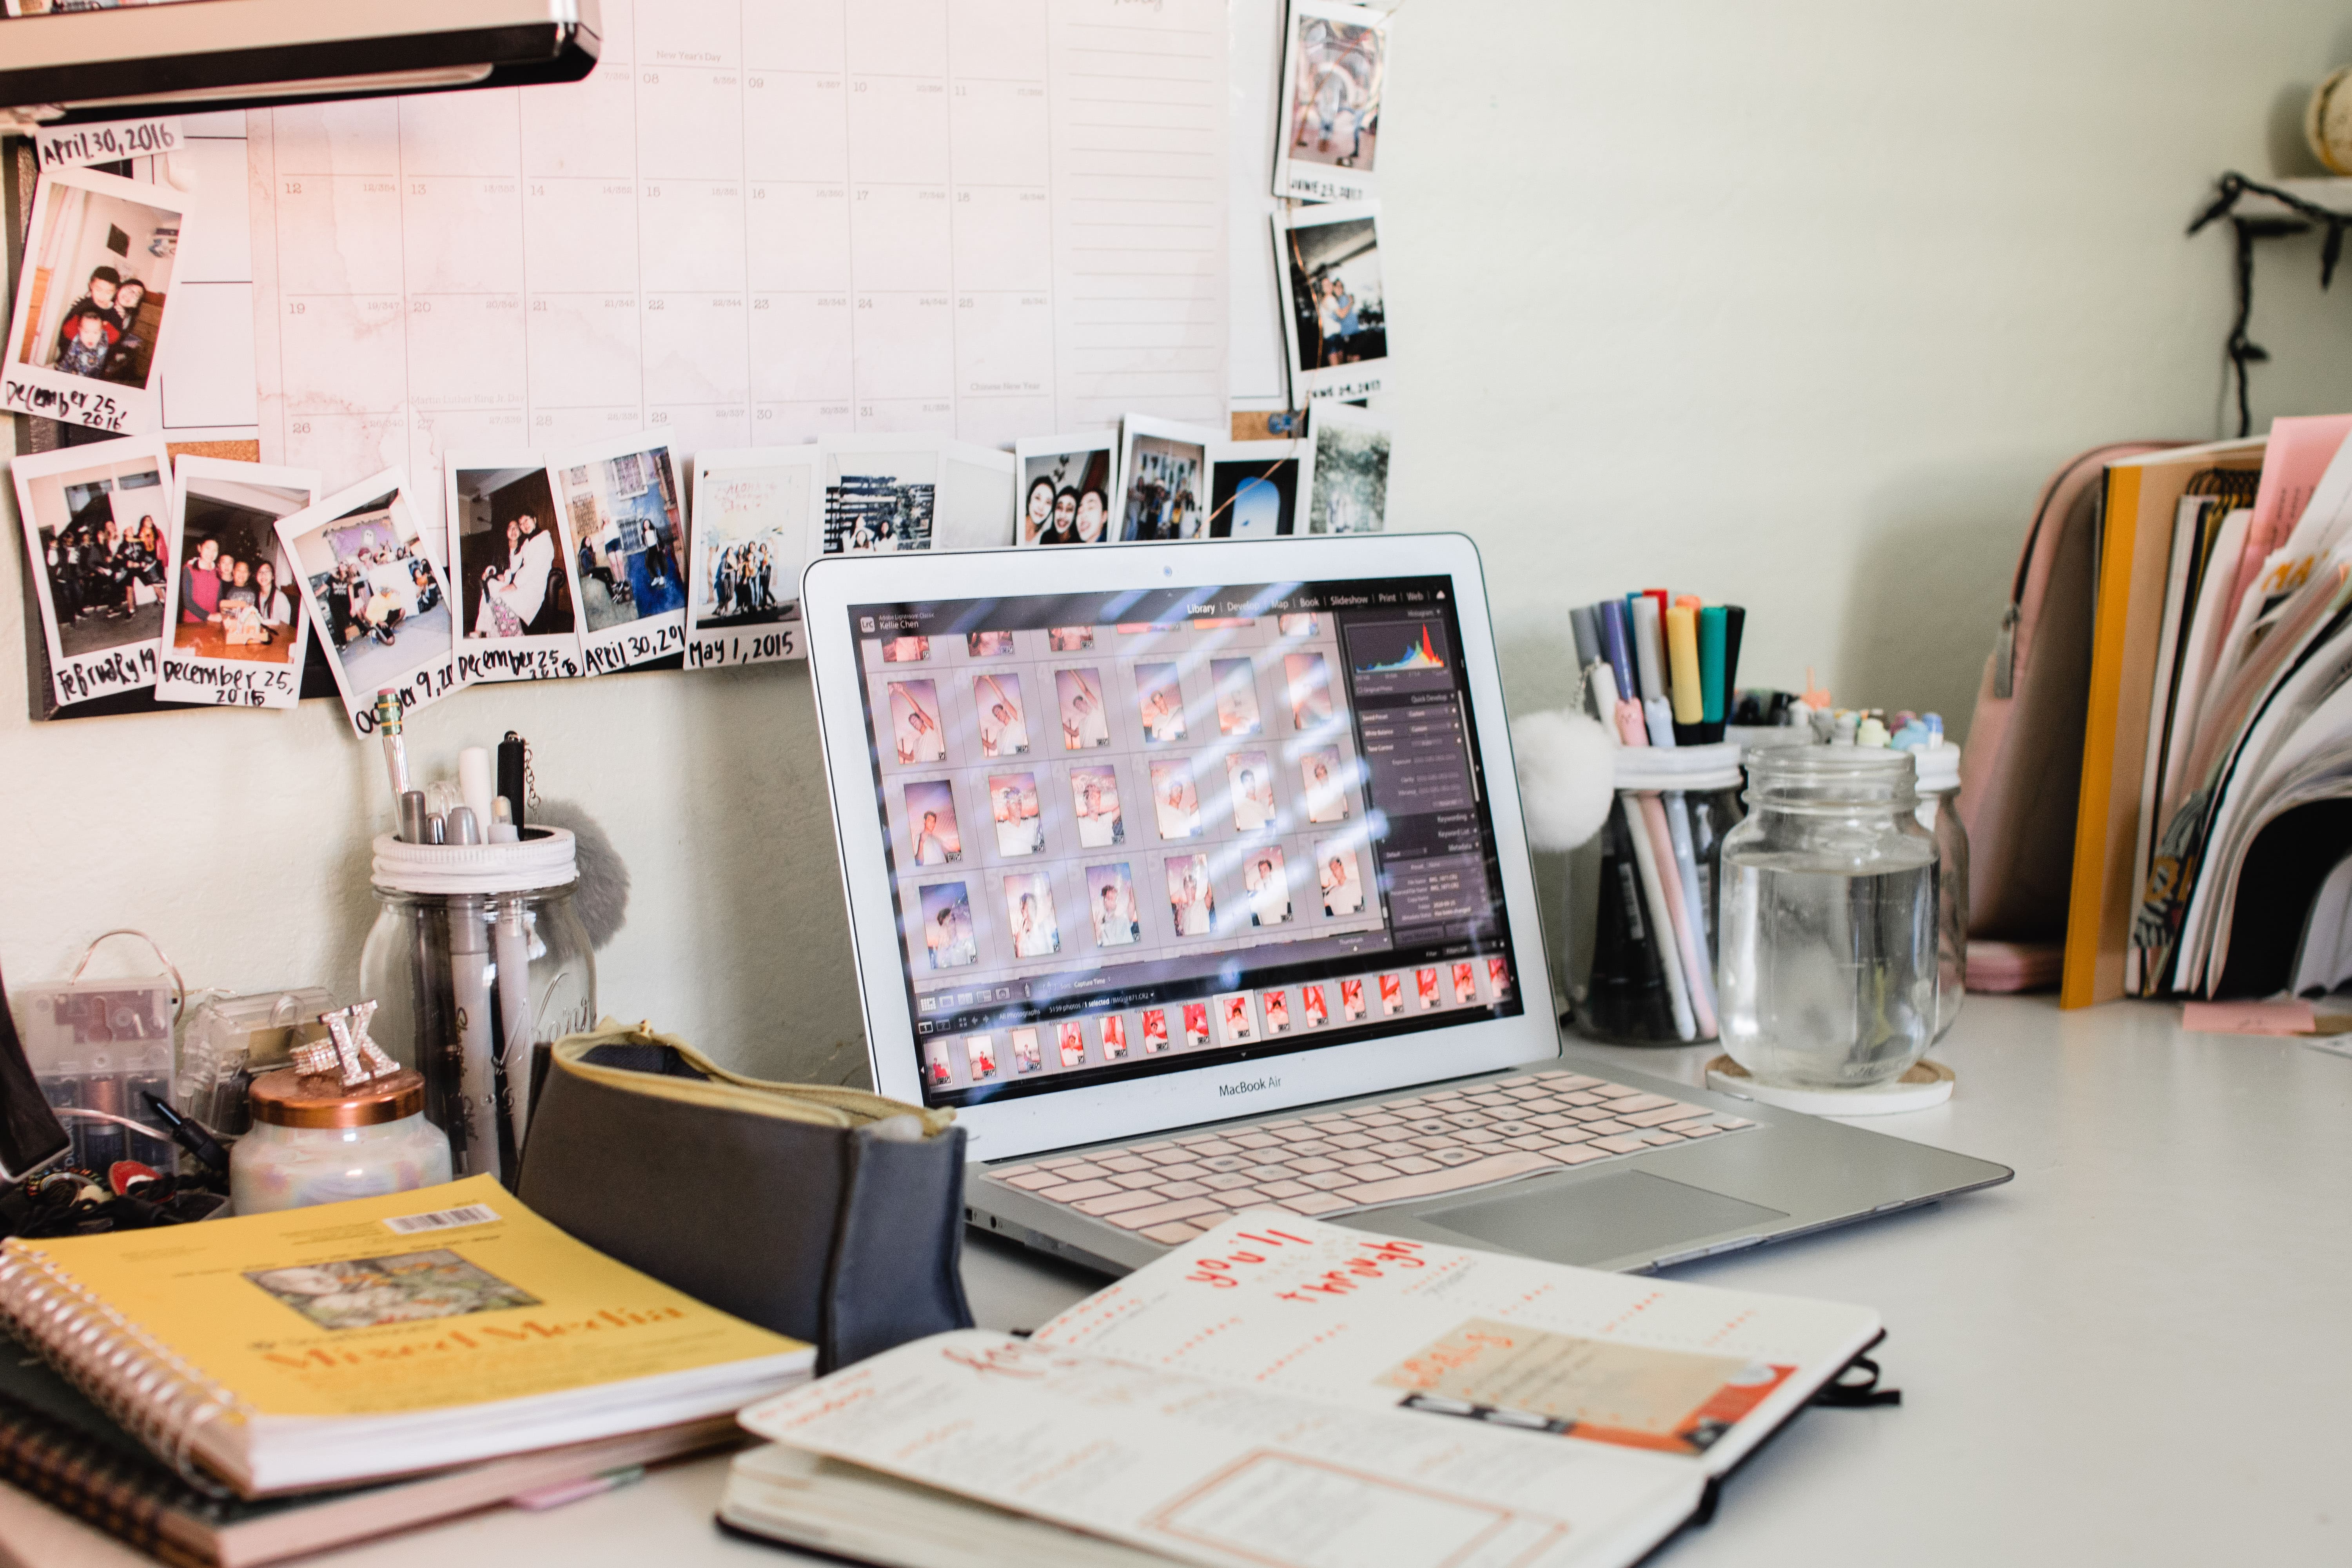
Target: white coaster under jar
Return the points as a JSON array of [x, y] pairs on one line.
[[1927, 1083]]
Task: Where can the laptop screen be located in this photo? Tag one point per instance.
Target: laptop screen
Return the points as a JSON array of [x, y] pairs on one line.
[[1134, 832]]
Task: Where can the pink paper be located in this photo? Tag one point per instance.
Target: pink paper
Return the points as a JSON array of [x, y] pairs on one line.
[[2292, 1018], [2297, 454]]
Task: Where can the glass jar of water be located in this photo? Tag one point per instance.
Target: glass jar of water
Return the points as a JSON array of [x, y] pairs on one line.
[[1828, 975]]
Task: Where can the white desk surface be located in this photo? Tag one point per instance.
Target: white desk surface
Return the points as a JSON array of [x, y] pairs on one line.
[[2135, 1351]]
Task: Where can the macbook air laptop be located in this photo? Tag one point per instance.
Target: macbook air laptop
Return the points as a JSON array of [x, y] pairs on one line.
[[1192, 877]]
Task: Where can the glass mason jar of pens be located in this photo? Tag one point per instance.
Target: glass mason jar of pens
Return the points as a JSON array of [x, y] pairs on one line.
[[1655, 933], [478, 963]]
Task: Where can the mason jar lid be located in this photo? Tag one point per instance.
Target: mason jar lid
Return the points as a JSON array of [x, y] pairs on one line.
[[542, 857], [1715, 766], [286, 1098], [1832, 776]]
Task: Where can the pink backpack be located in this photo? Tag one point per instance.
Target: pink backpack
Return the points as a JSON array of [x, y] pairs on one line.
[[2021, 770]]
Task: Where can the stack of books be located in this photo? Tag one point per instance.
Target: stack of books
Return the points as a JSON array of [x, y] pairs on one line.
[[253, 1389], [2218, 746]]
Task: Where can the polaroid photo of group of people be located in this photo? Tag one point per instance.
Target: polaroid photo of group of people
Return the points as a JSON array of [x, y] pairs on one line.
[[86, 333], [1225, 1019], [171, 577]]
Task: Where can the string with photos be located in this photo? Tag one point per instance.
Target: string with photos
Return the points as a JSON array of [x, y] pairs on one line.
[[2232, 188]]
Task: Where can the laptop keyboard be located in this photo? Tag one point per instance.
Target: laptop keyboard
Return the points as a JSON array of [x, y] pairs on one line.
[[1422, 1146]]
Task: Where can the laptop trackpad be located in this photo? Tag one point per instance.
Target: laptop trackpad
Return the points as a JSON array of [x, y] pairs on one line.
[[1600, 1218]]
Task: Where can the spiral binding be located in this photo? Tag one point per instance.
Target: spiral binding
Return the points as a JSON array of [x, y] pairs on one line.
[[126, 1371]]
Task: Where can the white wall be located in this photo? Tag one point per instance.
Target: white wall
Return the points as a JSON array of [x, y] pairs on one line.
[[1793, 305]]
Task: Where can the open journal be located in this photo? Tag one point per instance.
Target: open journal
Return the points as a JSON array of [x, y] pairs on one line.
[[376, 1338], [1284, 1391]]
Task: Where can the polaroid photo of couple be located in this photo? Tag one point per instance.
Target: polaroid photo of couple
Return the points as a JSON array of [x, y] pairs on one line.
[[1065, 489], [1094, 798], [90, 300], [1020, 825], [1176, 802], [1343, 887], [516, 574], [1163, 478], [1336, 332], [375, 590], [1334, 63], [944, 911], [1110, 901], [1003, 720], [237, 633], [1029, 906], [917, 734], [96, 519], [1085, 717], [753, 512], [883, 493], [628, 527], [1159, 703]]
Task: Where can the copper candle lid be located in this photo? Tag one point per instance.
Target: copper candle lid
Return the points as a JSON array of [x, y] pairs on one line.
[[290, 1097]]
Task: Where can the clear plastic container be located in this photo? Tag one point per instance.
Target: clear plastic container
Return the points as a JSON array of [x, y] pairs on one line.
[[477, 963], [1938, 812], [1642, 990], [1829, 974]]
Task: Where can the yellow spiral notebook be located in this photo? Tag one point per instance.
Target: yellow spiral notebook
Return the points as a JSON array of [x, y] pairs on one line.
[[376, 1338]]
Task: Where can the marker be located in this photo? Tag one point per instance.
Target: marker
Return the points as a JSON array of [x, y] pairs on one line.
[[1617, 641], [395, 749], [474, 781], [1713, 630], [188, 1135], [1682, 649], [513, 757]]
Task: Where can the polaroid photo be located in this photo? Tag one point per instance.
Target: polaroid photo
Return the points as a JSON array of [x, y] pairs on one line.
[[1306, 687], [1159, 703], [1163, 478], [1155, 1031], [1094, 801], [1348, 471], [236, 636], [1013, 802], [1114, 1036], [372, 587], [936, 1068], [88, 322], [1176, 802], [1191, 900], [1065, 491], [1003, 717], [1334, 61], [1274, 1007], [1085, 717], [1343, 887], [1465, 984], [915, 733], [1392, 995], [1249, 784], [513, 568], [989, 645], [1498, 978], [1235, 682], [1072, 1040], [979, 1057], [88, 512], [1425, 982], [932, 833], [1335, 328], [1236, 1019], [885, 493], [1351, 1001], [1267, 883], [1254, 489], [1026, 1057], [1313, 1013], [621, 498], [752, 512], [1196, 1024], [1323, 776], [1110, 903], [906, 650], [1029, 906], [949, 940]]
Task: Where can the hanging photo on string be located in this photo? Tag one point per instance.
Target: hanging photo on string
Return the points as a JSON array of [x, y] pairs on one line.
[[1334, 324], [235, 633], [1334, 65], [88, 513], [374, 590], [753, 511], [514, 570], [1252, 488], [1065, 491]]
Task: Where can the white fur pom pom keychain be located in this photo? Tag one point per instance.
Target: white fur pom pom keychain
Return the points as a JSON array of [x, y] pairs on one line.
[[1568, 770]]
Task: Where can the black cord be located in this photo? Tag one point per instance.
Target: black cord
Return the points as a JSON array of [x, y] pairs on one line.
[[2232, 188]]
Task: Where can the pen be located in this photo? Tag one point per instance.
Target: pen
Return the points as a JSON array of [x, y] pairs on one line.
[[1649, 646], [1646, 840], [474, 783], [1617, 647], [513, 757], [187, 1134], [395, 749]]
